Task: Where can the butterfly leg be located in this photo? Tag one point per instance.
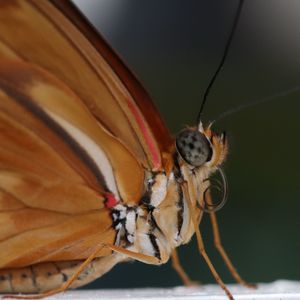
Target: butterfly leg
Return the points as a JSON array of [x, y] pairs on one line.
[[201, 243], [147, 259], [219, 246], [180, 271]]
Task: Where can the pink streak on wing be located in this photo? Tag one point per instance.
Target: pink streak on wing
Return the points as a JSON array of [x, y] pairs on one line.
[[111, 201], [156, 158]]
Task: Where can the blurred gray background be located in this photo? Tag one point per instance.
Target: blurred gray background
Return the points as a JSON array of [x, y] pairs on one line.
[[174, 47]]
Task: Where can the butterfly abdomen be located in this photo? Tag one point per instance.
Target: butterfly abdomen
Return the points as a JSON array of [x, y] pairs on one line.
[[36, 278], [51, 275]]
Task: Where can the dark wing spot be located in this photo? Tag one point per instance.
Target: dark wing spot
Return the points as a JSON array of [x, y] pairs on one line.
[[192, 146]]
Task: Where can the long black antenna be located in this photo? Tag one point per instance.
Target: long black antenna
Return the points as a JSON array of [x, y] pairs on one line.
[[221, 64]]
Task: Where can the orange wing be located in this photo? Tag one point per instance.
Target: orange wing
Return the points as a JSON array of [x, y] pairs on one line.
[[75, 128], [38, 32]]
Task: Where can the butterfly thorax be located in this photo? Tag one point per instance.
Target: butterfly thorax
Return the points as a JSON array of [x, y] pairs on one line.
[[153, 227]]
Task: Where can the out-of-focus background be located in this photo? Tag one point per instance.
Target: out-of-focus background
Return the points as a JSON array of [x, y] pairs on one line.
[[174, 47]]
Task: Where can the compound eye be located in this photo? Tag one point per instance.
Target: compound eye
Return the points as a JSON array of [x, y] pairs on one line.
[[193, 147]]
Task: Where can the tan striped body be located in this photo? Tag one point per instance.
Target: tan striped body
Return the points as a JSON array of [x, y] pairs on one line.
[[51, 275]]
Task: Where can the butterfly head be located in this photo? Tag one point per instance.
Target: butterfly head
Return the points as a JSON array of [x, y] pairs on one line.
[[201, 147], [200, 154]]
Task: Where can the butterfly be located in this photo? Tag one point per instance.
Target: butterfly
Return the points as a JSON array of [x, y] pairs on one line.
[[89, 174]]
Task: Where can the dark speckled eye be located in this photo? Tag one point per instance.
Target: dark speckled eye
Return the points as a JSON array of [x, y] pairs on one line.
[[193, 147]]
